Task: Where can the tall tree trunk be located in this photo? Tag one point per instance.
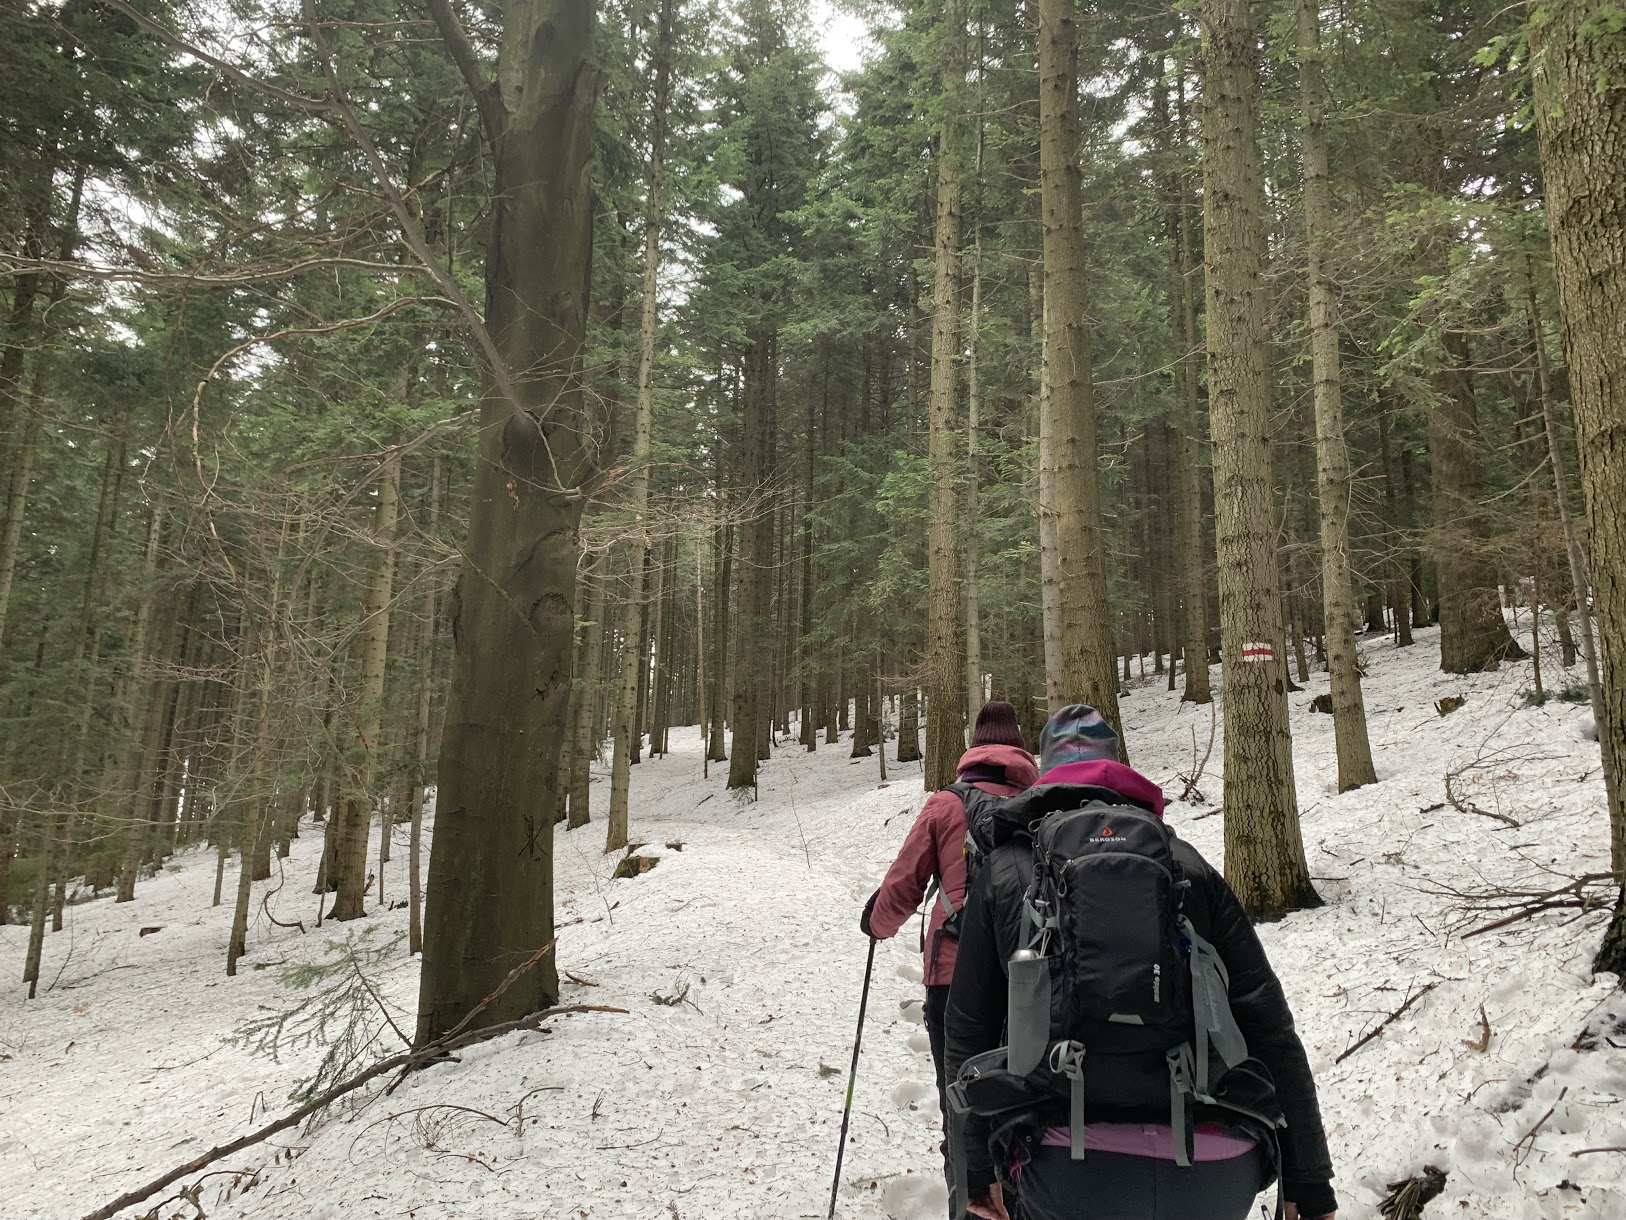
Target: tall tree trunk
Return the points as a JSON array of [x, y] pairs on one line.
[[584, 744], [634, 655], [1473, 633], [1087, 669], [139, 690], [1188, 462], [1398, 550], [1056, 695], [372, 649], [1581, 117], [1581, 582], [490, 895], [1333, 486], [752, 636], [945, 724], [722, 589], [973, 398], [1264, 851], [426, 692]]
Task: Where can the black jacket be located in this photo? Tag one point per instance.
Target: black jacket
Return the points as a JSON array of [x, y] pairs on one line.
[[989, 933]]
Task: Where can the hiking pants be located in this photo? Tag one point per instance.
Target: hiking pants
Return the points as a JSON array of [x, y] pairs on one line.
[[936, 1009], [1116, 1186]]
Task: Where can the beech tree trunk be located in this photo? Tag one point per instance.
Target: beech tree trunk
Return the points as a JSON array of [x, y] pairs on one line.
[[1264, 851], [1333, 485], [1087, 657], [490, 893], [1580, 73]]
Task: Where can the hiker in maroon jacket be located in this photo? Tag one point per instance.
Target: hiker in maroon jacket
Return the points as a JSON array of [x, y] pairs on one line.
[[998, 763]]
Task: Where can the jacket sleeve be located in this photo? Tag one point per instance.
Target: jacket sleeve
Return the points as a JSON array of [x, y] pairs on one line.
[[906, 881], [1261, 1011], [975, 1019]]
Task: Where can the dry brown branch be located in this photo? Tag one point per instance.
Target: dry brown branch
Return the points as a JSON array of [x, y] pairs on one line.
[[1378, 1029], [1466, 806], [1586, 893], [1190, 792], [409, 1059], [1529, 1137]]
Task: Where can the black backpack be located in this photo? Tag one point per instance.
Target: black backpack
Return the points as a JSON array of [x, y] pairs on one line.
[[1115, 1004]]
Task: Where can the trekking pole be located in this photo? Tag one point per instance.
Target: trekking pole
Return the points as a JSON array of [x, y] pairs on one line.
[[852, 1079]]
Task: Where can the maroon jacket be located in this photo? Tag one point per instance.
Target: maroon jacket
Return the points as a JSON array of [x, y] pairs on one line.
[[935, 846]]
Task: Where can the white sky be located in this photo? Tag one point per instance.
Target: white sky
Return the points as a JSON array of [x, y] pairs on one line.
[[841, 35]]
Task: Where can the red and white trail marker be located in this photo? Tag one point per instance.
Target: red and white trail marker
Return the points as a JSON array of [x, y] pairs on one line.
[[1257, 654]]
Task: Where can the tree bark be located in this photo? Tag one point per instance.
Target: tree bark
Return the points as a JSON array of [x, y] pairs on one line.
[[583, 734], [1580, 76], [752, 636], [945, 724], [139, 687], [372, 650], [490, 893], [426, 692], [1333, 486], [1581, 583], [1264, 852], [1087, 655], [635, 655], [1473, 633], [1188, 436]]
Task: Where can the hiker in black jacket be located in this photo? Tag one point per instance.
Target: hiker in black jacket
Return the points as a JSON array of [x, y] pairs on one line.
[[1129, 1171]]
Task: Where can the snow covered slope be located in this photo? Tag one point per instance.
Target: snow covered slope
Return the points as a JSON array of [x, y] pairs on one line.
[[719, 1093]]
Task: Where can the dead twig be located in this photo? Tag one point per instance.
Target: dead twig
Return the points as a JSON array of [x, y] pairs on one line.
[[1466, 806], [1384, 1024], [1520, 1152], [1191, 793]]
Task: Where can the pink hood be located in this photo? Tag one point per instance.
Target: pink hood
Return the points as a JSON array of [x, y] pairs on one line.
[[1105, 773], [1020, 769]]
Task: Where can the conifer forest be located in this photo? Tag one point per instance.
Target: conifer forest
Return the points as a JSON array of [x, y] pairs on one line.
[[442, 442]]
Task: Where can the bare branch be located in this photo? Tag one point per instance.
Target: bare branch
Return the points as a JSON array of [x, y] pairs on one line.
[[314, 105], [486, 98], [411, 229]]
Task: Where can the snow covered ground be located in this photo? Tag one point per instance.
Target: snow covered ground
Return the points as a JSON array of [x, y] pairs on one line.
[[719, 1093]]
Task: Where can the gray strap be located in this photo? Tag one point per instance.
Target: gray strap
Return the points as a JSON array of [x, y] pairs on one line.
[[1180, 1098], [943, 898], [1211, 1006], [1035, 925], [1068, 1059]]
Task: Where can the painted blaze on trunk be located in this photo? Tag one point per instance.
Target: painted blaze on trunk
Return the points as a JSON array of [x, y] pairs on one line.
[[490, 893]]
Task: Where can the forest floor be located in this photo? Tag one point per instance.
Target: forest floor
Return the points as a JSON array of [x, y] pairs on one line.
[[719, 1093]]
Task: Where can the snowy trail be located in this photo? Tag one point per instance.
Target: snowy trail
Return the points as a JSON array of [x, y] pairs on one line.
[[718, 1094]]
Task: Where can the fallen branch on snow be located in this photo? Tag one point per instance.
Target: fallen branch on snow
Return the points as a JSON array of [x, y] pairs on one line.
[[1378, 1029], [406, 1060], [1587, 893]]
